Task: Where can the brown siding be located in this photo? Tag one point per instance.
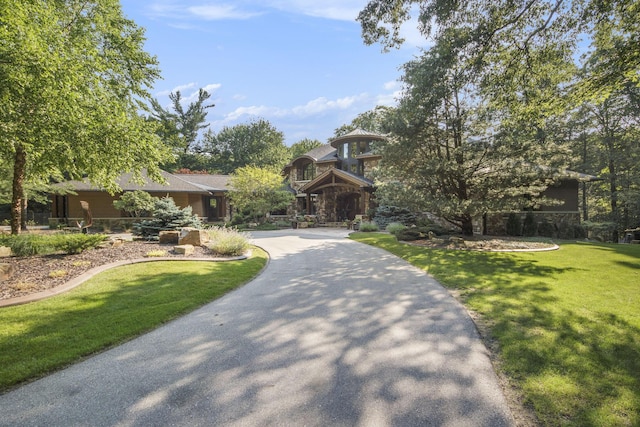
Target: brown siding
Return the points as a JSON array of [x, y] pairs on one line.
[[567, 191]]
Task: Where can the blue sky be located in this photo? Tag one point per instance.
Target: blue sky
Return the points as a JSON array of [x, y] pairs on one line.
[[300, 64]]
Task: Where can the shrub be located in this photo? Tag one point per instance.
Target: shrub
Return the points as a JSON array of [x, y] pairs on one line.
[[410, 234], [77, 243], [546, 229], [385, 215], [368, 227], [529, 226], [514, 225], [43, 244], [571, 231], [135, 203], [227, 241], [156, 254], [167, 216], [395, 227]]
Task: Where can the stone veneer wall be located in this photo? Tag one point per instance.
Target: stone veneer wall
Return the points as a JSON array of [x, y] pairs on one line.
[[497, 223]]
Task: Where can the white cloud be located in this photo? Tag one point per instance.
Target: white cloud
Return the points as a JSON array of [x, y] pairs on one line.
[[314, 107], [204, 12], [214, 12], [343, 10]]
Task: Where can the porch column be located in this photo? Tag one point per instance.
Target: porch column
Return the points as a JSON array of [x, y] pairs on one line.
[[308, 197]]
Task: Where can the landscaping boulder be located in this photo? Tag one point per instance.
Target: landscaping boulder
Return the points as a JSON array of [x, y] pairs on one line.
[[6, 270], [193, 236], [5, 251], [169, 237], [184, 249]]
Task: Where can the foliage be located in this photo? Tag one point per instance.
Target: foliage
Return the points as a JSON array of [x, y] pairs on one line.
[[395, 227], [367, 227], [514, 225], [303, 147], [112, 307], [227, 241], [258, 191], [23, 245], [256, 144], [72, 77], [371, 121], [516, 65], [136, 203], [167, 216], [156, 254], [384, 215], [568, 330], [417, 233], [546, 229], [529, 225]]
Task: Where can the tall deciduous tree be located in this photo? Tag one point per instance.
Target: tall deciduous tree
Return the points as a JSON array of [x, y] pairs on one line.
[[444, 154], [72, 75], [257, 143]]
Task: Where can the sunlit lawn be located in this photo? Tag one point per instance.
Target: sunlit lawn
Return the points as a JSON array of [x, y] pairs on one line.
[[567, 322], [109, 309]]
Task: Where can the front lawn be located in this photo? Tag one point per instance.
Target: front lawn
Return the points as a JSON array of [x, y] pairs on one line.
[[109, 309], [567, 322]]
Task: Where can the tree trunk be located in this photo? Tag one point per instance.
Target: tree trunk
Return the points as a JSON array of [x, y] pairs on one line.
[[19, 170], [613, 187], [466, 224]]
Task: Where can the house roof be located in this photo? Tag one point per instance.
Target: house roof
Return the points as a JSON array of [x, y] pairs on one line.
[[324, 153], [174, 183], [215, 183], [321, 180], [357, 135]]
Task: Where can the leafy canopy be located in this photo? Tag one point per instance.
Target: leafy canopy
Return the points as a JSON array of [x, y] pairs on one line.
[[72, 78], [258, 191]]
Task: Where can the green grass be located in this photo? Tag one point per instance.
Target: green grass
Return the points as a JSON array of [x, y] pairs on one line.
[[112, 307], [567, 322]]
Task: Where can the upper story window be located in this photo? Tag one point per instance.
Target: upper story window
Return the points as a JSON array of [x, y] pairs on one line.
[[348, 153], [306, 172]]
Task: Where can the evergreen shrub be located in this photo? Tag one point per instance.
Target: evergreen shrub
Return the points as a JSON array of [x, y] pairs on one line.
[[23, 245], [167, 216], [546, 229], [514, 225], [529, 226], [385, 215]]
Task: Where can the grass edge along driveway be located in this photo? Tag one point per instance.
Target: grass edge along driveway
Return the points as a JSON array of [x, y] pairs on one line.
[[109, 309], [567, 322]]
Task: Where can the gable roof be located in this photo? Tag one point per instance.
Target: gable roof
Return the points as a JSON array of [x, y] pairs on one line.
[[177, 183], [207, 182], [347, 177]]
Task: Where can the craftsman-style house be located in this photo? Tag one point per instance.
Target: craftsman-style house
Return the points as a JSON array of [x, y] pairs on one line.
[[333, 182]]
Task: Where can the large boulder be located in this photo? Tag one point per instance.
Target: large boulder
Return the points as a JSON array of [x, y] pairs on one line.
[[169, 237], [5, 251], [6, 270], [193, 236], [184, 249]]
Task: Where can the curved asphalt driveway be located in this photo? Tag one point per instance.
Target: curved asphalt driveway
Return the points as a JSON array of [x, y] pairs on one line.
[[332, 333]]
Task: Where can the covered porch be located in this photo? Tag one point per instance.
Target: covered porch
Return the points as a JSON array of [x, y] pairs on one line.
[[335, 196]]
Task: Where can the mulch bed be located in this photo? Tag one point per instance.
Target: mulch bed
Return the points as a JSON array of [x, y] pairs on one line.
[[40, 273], [482, 243]]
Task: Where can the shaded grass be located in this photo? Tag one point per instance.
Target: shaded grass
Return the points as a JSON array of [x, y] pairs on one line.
[[567, 322], [112, 307]]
